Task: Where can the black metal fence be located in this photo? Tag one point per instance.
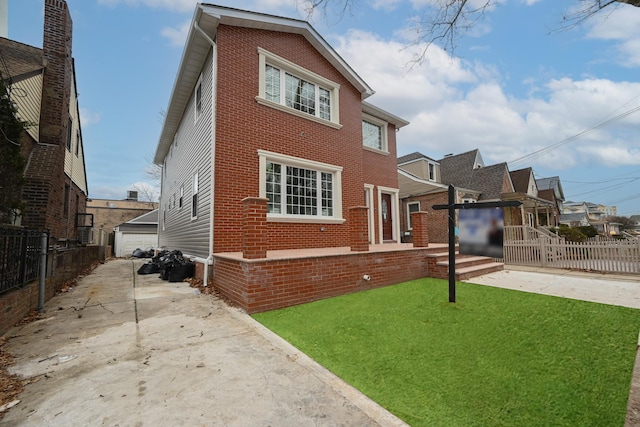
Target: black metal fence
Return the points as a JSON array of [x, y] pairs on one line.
[[19, 256]]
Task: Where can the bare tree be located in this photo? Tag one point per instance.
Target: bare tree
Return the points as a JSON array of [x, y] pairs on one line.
[[446, 20]]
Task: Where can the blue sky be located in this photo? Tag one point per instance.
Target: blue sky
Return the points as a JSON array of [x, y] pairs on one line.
[[565, 103]]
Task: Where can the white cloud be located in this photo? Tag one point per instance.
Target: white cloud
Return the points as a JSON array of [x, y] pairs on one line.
[[622, 25], [173, 5], [176, 35], [88, 118], [186, 6], [386, 5], [455, 106]]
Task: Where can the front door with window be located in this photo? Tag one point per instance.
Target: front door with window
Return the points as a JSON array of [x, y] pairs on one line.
[[387, 220]]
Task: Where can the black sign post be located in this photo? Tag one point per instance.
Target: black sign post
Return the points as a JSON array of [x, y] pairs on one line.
[[451, 207]]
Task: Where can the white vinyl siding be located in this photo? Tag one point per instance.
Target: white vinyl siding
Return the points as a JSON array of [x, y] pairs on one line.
[[74, 165], [189, 155], [29, 105]]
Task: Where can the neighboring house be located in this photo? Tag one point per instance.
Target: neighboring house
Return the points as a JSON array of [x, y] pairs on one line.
[[551, 189], [575, 219], [108, 214], [140, 232], [424, 182], [42, 84], [420, 185], [263, 107], [534, 210]]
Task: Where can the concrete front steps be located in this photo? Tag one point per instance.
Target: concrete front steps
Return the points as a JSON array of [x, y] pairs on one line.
[[467, 266]]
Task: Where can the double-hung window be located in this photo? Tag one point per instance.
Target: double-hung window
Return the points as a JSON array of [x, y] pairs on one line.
[[299, 189], [374, 134], [412, 207], [194, 197], [291, 88], [197, 99]]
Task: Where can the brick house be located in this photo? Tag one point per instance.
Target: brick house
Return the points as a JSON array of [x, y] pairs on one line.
[[424, 183], [56, 185], [274, 165]]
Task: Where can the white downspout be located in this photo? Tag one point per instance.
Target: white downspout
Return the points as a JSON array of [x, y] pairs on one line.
[[209, 259]]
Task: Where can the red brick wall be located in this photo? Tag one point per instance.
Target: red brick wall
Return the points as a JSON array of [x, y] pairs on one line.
[[264, 285], [243, 126], [63, 265], [44, 192], [438, 220]]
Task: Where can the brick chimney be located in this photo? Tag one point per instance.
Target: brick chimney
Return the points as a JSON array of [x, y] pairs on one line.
[[56, 45], [47, 191]]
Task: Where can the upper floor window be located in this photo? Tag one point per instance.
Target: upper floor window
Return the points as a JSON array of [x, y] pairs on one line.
[[69, 133], [291, 88], [194, 197], [374, 133], [432, 172], [198, 98], [77, 143], [300, 190]]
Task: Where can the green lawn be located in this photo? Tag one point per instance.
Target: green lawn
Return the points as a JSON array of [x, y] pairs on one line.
[[495, 358]]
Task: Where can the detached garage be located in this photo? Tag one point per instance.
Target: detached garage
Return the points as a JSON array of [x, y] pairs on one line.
[[140, 232]]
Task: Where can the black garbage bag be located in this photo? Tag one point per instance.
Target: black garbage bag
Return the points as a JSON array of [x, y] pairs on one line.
[[139, 253], [169, 260], [181, 271], [149, 268]]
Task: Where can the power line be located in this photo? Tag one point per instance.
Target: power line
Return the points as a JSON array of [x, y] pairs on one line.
[[552, 147]]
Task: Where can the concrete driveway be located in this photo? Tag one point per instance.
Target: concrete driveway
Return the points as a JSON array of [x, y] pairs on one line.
[[129, 350], [122, 349]]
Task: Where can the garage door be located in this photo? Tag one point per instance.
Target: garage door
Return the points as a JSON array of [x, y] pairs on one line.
[[126, 243]]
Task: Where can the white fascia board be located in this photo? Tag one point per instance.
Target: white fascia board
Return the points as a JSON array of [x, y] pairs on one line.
[[193, 57], [384, 115], [420, 180]]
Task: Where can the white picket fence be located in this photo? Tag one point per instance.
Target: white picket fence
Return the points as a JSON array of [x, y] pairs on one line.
[[529, 246]]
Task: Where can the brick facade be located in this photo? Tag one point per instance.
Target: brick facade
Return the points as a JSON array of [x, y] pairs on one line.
[[63, 265], [269, 284], [52, 199], [243, 126]]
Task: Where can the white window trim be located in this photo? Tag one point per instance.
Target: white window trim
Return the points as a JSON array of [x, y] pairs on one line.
[[194, 192], [196, 113], [266, 57], [394, 192], [409, 222], [384, 134], [435, 172], [368, 188], [268, 156]]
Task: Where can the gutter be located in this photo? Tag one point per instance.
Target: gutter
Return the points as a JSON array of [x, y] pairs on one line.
[[209, 260]]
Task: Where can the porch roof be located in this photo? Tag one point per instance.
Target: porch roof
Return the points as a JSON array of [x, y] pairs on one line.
[[529, 201]]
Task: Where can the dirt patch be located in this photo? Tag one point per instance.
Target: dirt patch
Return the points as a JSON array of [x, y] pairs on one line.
[[10, 385]]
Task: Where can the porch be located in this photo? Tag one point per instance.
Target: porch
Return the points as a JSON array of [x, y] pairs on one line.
[[259, 280]]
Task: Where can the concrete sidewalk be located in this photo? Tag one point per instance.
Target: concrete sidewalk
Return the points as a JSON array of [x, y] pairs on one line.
[[613, 289], [130, 350]]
